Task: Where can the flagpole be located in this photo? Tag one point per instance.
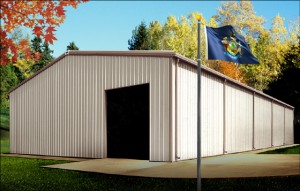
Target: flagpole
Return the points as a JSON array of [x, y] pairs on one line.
[[199, 110]]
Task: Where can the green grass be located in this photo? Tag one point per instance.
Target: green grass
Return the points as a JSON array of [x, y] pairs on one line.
[[4, 130], [26, 174], [4, 141], [289, 150], [4, 119], [4, 146]]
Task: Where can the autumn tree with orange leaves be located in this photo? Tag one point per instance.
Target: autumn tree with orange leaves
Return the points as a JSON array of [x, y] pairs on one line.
[[40, 16]]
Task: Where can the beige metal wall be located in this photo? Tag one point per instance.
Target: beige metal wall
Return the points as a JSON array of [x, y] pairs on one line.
[[262, 122], [238, 119], [233, 119], [62, 110], [288, 126], [186, 131], [212, 113], [212, 119], [278, 124]]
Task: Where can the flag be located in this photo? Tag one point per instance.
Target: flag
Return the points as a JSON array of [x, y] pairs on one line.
[[224, 43]]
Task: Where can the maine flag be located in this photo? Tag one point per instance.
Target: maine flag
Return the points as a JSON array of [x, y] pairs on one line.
[[224, 43]]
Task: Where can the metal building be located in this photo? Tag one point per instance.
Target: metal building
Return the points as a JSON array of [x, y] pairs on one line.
[[75, 107]]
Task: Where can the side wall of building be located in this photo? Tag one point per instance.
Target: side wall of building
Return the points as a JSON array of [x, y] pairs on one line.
[[62, 111], [233, 118]]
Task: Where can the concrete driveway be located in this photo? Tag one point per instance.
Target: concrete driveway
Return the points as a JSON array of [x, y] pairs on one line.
[[225, 166]]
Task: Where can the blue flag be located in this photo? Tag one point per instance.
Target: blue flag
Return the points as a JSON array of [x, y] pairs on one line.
[[225, 43]]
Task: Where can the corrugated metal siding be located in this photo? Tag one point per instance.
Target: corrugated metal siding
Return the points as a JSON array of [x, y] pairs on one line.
[[278, 124], [238, 119], [212, 109], [12, 114], [288, 126], [61, 111], [262, 122], [212, 113], [247, 116], [187, 112]]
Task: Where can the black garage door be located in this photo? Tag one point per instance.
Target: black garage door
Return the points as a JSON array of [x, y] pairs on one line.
[[128, 122]]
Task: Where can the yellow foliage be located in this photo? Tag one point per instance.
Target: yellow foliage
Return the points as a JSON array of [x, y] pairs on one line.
[[24, 66]]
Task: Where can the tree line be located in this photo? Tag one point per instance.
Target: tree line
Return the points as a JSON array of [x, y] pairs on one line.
[[277, 48], [21, 56], [270, 46], [15, 72]]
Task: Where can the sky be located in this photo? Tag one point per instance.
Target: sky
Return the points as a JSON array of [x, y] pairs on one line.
[[108, 25]]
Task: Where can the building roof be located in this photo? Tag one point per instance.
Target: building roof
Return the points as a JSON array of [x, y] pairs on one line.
[[151, 53]]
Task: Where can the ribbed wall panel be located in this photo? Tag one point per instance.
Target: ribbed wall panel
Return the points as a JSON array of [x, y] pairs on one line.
[[289, 126], [212, 105], [238, 119], [187, 112], [262, 122], [12, 133], [212, 113], [278, 124], [62, 111]]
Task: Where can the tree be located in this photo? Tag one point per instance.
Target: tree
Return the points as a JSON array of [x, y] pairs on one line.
[[212, 22], [22, 66], [293, 31], [155, 35], [8, 81], [242, 17], [72, 46], [139, 39], [287, 85], [269, 48], [40, 16], [22, 69], [278, 29], [181, 36], [43, 49]]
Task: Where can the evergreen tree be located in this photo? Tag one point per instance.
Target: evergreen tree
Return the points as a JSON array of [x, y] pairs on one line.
[[46, 54], [139, 39], [72, 46]]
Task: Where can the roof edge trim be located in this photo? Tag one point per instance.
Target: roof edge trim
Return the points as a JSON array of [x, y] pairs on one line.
[[158, 53], [232, 81], [154, 53]]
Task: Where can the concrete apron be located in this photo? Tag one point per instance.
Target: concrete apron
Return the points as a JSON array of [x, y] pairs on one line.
[[224, 166]]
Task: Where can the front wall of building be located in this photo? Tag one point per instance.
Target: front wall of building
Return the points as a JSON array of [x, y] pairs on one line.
[[61, 111]]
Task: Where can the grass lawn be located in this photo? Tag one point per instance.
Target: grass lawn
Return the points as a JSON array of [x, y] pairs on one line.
[[4, 119], [289, 150], [26, 174], [4, 141], [4, 131]]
